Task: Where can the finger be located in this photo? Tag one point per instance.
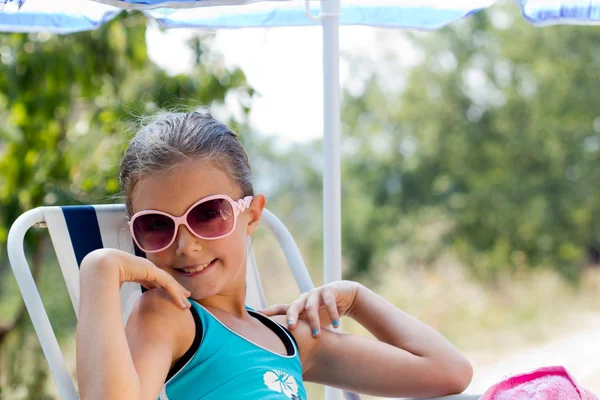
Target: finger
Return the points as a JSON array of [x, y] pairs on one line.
[[328, 298], [313, 302], [162, 278], [147, 284], [276, 309], [178, 293], [150, 276], [294, 311]]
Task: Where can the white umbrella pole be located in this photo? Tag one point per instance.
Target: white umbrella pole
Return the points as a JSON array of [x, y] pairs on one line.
[[332, 220]]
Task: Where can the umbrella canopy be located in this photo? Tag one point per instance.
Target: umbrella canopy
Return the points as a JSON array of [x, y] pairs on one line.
[[65, 16]]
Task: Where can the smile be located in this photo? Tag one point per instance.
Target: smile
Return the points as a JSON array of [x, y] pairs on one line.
[[195, 269]]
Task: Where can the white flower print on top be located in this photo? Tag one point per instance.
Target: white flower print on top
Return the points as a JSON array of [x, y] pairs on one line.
[[281, 382]]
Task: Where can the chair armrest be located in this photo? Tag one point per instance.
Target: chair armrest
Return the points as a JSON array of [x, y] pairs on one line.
[[290, 250], [33, 302]]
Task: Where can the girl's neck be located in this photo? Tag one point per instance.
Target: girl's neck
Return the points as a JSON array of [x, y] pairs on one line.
[[232, 305]]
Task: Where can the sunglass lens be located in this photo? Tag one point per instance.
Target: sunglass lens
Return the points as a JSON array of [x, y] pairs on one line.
[[211, 218], [153, 231]]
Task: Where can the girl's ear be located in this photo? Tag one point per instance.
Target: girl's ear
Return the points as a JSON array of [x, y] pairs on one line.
[[254, 213]]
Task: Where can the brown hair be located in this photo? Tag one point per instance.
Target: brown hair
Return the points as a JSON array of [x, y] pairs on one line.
[[173, 137]]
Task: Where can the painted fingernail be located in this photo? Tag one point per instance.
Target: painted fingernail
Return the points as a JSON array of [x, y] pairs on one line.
[[315, 332], [184, 303], [335, 323], [290, 322]]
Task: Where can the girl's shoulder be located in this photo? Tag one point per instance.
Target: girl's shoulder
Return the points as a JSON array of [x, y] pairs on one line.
[[157, 303], [156, 313]]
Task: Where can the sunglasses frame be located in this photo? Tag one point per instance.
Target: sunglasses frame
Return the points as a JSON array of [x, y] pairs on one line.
[[237, 207]]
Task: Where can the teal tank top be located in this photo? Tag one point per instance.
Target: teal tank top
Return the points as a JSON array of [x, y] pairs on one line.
[[221, 364]]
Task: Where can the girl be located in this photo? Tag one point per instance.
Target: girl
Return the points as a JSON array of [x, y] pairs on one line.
[[187, 185]]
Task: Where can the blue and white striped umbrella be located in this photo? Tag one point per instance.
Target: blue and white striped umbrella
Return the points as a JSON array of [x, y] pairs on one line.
[[64, 16]]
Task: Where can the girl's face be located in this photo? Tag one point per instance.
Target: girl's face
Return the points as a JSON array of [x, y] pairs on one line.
[[173, 192]]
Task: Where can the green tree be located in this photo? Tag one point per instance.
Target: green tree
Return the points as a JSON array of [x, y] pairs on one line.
[[497, 131], [65, 105]]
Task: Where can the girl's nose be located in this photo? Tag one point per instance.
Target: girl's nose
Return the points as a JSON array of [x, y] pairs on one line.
[[186, 242]]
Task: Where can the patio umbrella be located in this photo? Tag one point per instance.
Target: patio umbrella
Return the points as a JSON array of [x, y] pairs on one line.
[[66, 16]]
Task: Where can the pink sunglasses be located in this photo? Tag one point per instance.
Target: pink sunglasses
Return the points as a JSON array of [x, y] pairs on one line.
[[210, 218]]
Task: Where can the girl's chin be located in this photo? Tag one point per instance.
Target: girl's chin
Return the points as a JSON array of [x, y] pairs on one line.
[[200, 293]]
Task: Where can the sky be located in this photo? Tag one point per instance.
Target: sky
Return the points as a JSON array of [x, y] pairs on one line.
[[284, 65]]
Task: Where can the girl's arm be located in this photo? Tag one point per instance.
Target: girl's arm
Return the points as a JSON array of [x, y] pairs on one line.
[[409, 359], [106, 366]]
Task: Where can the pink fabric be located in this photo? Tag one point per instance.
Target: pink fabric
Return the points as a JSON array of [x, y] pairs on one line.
[[547, 383]]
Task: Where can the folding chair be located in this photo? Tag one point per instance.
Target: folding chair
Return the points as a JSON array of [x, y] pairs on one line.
[[77, 230]]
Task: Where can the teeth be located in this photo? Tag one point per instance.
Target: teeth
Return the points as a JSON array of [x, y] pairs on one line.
[[196, 269]]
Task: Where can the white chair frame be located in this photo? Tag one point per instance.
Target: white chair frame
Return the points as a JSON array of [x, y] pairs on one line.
[[115, 214]]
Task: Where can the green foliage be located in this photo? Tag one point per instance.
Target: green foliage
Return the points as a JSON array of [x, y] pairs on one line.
[[498, 130], [488, 149], [66, 103]]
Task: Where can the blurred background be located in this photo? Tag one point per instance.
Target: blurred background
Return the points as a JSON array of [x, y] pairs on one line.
[[470, 170]]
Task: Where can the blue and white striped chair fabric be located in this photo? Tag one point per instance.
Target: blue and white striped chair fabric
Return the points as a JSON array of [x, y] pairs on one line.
[[78, 230]]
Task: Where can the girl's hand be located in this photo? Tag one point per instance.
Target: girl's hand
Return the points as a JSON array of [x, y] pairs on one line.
[[321, 306], [137, 269]]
